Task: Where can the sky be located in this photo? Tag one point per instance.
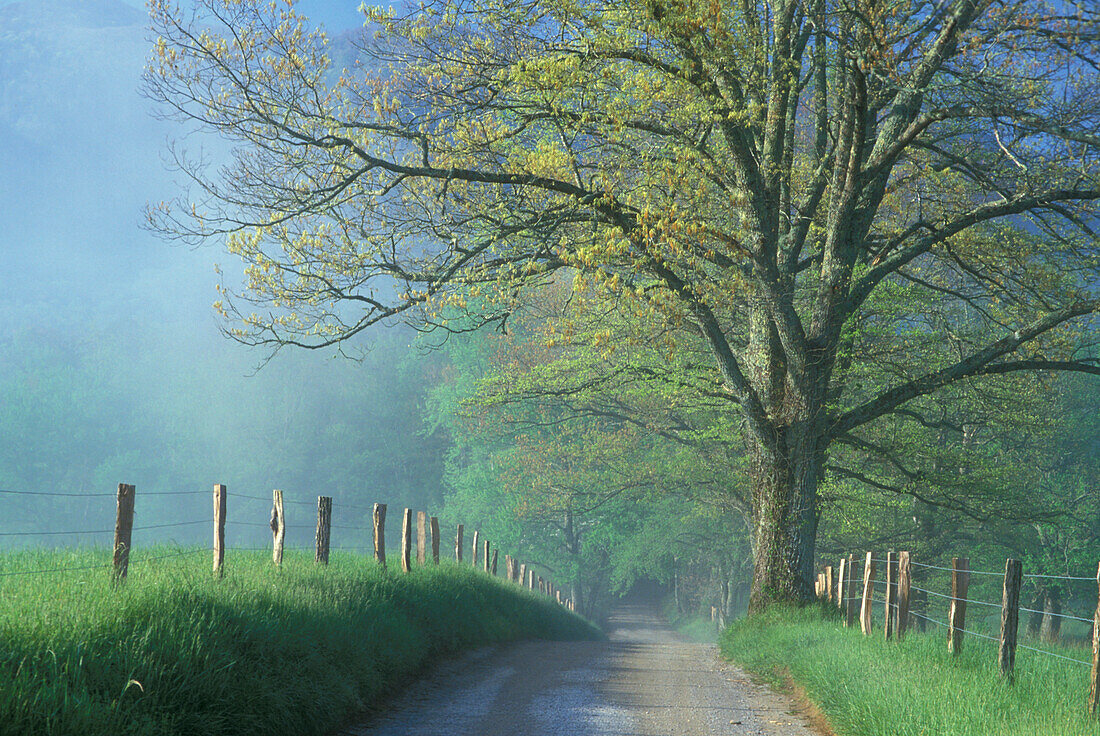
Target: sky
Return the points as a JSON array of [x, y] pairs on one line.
[[94, 307], [336, 15]]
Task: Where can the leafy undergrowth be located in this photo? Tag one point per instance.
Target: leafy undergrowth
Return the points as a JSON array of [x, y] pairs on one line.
[[870, 687], [297, 650]]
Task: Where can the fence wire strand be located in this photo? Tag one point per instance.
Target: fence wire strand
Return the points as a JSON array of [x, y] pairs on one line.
[[1059, 615]]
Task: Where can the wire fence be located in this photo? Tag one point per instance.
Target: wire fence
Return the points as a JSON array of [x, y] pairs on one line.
[[426, 550], [895, 593]]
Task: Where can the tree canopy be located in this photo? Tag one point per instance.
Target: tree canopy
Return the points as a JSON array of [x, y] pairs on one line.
[[848, 206]]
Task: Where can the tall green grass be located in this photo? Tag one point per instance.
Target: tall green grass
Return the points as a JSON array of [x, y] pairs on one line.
[[870, 687], [297, 650]]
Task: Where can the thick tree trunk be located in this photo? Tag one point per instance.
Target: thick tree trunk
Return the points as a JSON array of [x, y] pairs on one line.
[[785, 516]]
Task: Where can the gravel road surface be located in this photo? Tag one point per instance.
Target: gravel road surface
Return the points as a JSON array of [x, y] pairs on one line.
[[646, 681]]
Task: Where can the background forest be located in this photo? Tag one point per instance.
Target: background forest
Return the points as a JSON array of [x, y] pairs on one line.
[[570, 436]]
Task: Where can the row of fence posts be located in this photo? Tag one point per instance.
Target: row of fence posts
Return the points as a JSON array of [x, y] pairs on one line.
[[426, 528], [838, 589]]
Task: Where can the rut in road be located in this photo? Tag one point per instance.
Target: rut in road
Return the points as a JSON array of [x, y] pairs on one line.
[[645, 681]]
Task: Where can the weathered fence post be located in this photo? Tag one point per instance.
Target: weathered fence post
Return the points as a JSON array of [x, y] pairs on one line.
[[509, 567], [219, 528], [380, 533], [124, 529], [486, 545], [458, 544], [843, 567], [474, 549], [849, 593], [956, 617], [868, 595], [542, 585], [406, 541], [1094, 679], [434, 522], [493, 566], [891, 593], [324, 527], [1010, 617], [523, 573], [905, 582], [278, 527], [421, 537], [530, 578], [829, 583]]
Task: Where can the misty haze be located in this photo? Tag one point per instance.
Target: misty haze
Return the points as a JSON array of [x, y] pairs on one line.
[[535, 367]]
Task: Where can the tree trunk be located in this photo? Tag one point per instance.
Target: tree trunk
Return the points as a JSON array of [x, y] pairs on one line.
[[785, 479], [1051, 628]]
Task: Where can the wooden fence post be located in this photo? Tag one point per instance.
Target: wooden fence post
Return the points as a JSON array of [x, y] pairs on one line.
[[435, 539], [485, 543], [849, 592], [956, 617], [493, 566], [475, 549], [509, 567], [406, 541], [830, 582], [905, 582], [278, 527], [868, 595], [324, 527], [839, 583], [124, 529], [1010, 617], [1094, 679], [530, 578], [380, 533], [458, 544], [891, 593], [542, 585], [219, 528], [421, 537], [522, 573]]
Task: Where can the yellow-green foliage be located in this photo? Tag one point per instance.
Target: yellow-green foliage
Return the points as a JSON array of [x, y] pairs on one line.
[[261, 651]]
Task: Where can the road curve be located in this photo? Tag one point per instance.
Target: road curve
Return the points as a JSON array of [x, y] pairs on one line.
[[645, 681]]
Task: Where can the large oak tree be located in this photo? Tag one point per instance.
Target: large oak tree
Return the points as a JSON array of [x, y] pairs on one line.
[[755, 173]]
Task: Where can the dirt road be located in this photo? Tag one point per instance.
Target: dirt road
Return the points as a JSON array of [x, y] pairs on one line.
[[645, 681]]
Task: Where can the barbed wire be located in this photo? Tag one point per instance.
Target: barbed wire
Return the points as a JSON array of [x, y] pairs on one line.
[[1059, 615], [1061, 577], [1054, 654], [56, 569], [953, 598], [105, 531], [998, 639], [183, 553], [950, 569], [67, 494]]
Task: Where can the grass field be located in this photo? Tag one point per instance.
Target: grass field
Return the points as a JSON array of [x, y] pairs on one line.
[[870, 687], [297, 650]]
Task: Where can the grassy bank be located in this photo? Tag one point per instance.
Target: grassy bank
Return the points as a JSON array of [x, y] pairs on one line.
[[261, 651], [869, 687]]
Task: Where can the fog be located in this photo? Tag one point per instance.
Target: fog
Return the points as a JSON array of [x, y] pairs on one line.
[[112, 366]]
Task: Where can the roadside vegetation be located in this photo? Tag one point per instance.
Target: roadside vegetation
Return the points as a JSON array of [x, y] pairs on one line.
[[866, 686], [298, 650], [690, 624]]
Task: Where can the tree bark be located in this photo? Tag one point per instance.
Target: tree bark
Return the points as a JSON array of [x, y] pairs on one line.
[[785, 480]]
